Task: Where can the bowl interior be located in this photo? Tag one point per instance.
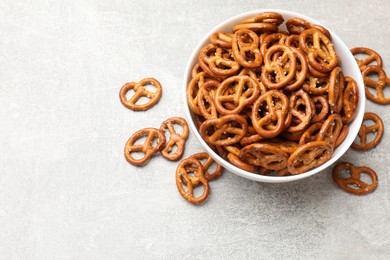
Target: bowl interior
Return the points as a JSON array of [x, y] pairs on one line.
[[348, 65]]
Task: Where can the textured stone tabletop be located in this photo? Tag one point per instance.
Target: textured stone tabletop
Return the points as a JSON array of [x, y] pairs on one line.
[[66, 191]]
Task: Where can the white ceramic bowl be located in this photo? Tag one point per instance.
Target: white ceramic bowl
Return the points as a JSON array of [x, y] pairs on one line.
[[349, 67]]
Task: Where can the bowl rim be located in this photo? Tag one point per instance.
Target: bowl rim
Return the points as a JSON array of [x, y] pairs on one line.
[[342, 148]]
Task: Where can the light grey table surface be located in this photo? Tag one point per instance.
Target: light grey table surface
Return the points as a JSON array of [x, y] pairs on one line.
[[66, 191]]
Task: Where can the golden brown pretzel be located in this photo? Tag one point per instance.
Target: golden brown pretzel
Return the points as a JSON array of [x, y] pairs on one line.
[[309, 156], [206, 165], [297, 25], [353, 184], [193, 90], [147, 148], [206, 99], [183, 178], [140, 91], [222, 39], [336, 90], [321, 108], [330, 129], [383, 81], [378, 127], [297, 100], [219, 64], [225, 130], [301, 72], [265, 155], [350, 100], [274, 104], [175, 139], [266, 17], [246, 42], [372, 56], [245, 91], [278, 73], [319, 48], [206, 69]]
